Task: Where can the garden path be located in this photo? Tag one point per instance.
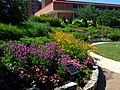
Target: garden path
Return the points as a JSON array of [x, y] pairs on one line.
[[109, 75], [105, 62]]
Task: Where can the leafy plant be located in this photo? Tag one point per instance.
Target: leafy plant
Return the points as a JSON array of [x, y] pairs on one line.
[[36, 29], [109, 18], [88, 13], [8, 32], [114, 35], [37, 40], [78, 23], [55, 22]]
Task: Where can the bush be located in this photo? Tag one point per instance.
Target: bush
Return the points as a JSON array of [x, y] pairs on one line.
[[109, 18], [114, 34], [36, 29], [72, 26], [54, 29], [92, 30], [2, 45], [2, 65], [104, 28], [82, 36], [8, 32], [38, 40], [54, 22], [99, 31], [78, 23], [66, 29]]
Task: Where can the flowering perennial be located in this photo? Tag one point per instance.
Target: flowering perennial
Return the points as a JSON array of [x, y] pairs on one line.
[[52, 52], [47, 64], [65, 59], [22, 51], [74, 47]]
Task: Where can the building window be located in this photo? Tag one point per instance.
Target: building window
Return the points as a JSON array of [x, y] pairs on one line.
[[33, 5], [33, 8], [75, 7], [103, 8], [99, 8], [81, 6], [75, 15], [110, 8], [27, 10], [39, 6]]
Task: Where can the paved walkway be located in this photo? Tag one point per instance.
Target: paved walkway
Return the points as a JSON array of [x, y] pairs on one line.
[[105, 62], [109, 72]]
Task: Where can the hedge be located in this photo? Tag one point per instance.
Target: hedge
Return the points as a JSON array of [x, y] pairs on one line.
[[36, 29], [8, 32], [54, 22]]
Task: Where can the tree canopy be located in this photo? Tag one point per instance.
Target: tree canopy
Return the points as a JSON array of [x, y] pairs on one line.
[[88, 12], [109, 18], [101, 17], [12, 11]]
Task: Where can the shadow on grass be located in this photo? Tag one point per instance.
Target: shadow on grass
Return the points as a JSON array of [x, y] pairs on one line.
[[101, 81]]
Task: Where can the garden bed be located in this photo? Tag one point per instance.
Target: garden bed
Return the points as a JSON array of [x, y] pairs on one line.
[[45, 66], [91, 85]]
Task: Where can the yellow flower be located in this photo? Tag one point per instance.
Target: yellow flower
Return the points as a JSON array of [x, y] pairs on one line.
[[93, 49], [67, 50], [63, 47], [72, 45], [74, 56], [58, 40]]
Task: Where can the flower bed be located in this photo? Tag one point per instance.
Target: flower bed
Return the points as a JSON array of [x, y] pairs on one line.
[[91, 84], [44, 66]]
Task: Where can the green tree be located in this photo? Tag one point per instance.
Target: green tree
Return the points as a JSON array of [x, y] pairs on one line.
[[12, 11], [88, 13], [109, 18]]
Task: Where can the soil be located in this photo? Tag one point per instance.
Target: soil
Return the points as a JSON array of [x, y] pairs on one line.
[[108, 80]]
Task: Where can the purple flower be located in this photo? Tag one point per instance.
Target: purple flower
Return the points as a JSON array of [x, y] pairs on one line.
[[65, 59], [86, 62], [75, 63], [86, 32]]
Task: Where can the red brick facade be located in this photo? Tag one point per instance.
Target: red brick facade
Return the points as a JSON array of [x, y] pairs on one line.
[[62, 6], [32, 7], [65, 8]]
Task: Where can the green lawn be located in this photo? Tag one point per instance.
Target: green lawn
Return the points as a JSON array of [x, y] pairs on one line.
[[109, 50]]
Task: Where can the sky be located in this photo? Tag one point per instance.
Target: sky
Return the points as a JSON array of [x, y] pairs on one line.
[[100, 1]]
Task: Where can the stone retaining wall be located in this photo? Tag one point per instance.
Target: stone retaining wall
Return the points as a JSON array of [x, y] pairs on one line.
[[91, 85]]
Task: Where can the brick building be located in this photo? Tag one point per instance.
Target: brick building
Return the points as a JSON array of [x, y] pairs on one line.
[[32, 7], [66, 8]]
